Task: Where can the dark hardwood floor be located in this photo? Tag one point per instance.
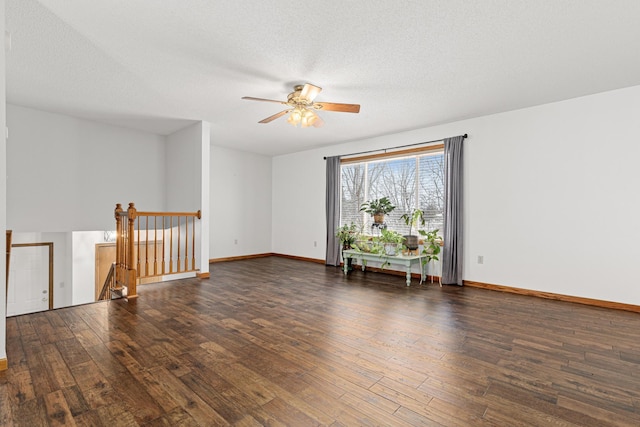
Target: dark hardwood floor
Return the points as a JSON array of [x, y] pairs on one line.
[[275, 341]]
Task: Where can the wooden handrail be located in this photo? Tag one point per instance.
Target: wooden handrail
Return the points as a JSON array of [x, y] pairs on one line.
[[108, 283], [196, 214], [135, 259]]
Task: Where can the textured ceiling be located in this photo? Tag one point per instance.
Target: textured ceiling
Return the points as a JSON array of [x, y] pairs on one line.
[[159, 65]]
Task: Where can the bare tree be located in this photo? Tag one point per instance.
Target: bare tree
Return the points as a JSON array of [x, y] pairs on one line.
[[432, 189], [353, 179], [396, 179]]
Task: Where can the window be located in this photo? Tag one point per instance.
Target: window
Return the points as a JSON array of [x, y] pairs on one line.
[[410, 181]]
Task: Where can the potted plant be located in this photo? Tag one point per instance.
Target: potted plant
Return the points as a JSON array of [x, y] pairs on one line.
[[391, 240], [378, 208], [347, 235], [364, 244], [431, 245], [413, 219]]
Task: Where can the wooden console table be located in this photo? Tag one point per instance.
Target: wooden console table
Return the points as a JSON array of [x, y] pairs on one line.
[[405, 260]]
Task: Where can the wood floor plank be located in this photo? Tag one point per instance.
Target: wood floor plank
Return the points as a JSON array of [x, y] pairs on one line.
[[600, 416], [217, 393], [25, 326], [139, 402], [58, 412], [101, 395], [190, 401], [372, 411], [88, 419], [19, 387], [72, 352], [38, 369], [248, 421], [31, 413], [116, 415], [6, 410], [522, 398], [288, 414], [403, 395], [251, 383], [14, 346], [177, 417], [75, 401], [281, 342], [105, 360], [57, 371], [416, 420], [87, 338]]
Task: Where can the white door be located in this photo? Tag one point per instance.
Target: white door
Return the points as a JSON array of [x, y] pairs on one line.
[[28, 280]]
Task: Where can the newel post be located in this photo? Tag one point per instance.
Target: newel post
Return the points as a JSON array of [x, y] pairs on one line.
[[132, 291], [119, 240]]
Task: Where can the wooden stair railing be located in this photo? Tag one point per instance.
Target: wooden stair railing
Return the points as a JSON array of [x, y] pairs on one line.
[[153, 244], [110, 288]]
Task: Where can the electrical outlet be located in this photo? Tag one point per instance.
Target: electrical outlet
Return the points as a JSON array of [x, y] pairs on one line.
[[480, 259], [315, 244], [235, 241]]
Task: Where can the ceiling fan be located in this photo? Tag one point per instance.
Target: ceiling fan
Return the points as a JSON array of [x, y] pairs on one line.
[[303, 109]]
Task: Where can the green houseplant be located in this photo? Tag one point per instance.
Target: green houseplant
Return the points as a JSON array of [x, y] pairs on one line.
[[431, 245], [391, 240], [378, 208], [347, 235], [413, 219]]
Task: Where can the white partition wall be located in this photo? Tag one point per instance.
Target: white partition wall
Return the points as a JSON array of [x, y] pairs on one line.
[[202, 249], [187, 181], [76, 170], [84, 265], [3, 195], [240, 203]]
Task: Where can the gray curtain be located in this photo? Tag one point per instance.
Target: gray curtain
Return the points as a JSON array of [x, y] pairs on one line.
[[333, 210], [453, 210]]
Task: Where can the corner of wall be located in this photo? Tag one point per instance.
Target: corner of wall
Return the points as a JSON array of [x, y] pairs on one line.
[[3, 193]]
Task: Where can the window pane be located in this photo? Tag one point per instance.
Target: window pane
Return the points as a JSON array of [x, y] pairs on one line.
[[432, 190], [352, 181], [395, 179]]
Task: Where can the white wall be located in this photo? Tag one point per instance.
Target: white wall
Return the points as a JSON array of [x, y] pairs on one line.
[[84, 265], [67, 174], [187, 181], [3, 192], [299, 219], [182, 186], [203, 245], [549, 190], [240, 203]]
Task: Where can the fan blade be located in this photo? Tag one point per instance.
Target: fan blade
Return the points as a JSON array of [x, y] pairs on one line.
[[275, 116], [332, 106], [251, 98], [309, 92], [318, 123]]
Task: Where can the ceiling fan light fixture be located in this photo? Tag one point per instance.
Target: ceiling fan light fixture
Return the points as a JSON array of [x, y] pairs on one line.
[[305, 122], [296, 116], [302, 108], [303, 117], [309, 117]]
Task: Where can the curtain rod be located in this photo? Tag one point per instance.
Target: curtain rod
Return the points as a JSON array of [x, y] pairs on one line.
[[399, 146]]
